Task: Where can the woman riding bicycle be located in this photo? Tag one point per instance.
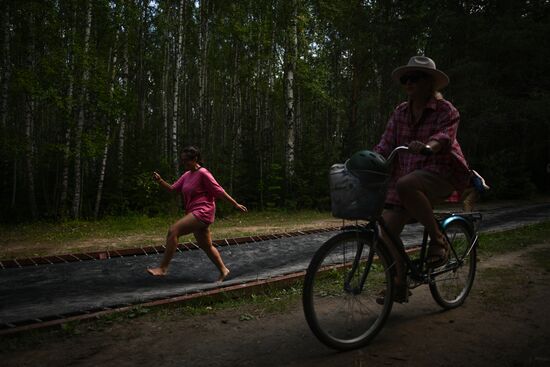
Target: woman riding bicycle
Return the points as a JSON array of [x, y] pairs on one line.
[[418, 181]]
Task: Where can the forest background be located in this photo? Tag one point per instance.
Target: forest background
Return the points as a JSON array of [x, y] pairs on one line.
[[95, 95]]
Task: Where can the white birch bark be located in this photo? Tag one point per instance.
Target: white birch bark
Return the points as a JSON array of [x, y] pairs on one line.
[[177, 72], [6, 62], [29, 127], [236, 105], [122, 121], [164, 102], [203, 70], [66, 154], [291, 54], [103, 166], [102, 172], [81, 117], [5, 77]]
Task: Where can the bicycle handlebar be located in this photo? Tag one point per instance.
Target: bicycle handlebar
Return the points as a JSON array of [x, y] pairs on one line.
[[426, 150]]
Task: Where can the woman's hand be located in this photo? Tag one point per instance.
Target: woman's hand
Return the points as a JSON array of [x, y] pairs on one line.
[[242, 208], [156, 177], [416, 146]]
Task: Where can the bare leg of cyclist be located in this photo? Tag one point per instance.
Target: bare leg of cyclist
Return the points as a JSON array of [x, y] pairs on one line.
[[395, 221], [419, 206]]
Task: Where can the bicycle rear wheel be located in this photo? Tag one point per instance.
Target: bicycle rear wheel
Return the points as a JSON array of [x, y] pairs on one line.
[[341, 285], [454, 281]]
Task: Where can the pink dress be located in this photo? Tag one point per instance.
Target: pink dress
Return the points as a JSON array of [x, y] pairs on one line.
[[200, 190]]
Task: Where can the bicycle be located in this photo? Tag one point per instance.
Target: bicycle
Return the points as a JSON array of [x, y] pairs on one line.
[[341, 293]]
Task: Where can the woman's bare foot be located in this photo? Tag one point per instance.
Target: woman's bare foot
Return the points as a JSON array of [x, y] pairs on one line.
[[158, 272], [223, 274]]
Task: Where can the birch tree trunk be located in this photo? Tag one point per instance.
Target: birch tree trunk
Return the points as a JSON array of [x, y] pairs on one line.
[[81, 117], [236, 103], [29, 127], [122, 121], [177, 72], [290, 55], [69, 115], [203, 70], [107, 138], [5, 77], [6, 67], [102, 172], [164, 100]]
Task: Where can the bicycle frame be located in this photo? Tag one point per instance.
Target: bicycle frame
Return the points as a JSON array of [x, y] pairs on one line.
[[416, 267]]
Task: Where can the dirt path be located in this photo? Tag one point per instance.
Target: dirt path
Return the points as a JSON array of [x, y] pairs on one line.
[[504, 322]]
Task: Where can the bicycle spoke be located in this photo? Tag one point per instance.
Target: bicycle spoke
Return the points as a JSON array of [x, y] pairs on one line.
[[451, 286], [340, 303]]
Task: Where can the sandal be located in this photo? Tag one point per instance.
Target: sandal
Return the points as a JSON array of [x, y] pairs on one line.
[[401, 295], [438, 254]]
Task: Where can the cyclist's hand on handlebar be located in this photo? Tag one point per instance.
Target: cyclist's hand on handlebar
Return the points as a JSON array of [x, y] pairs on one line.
[[418, 147]]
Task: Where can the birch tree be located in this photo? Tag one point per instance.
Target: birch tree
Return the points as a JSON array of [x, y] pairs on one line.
[[81, 117], [103, 166], [6, 66], [122, 121], [291, 52], [29, 126], [68, 115], [5, 78], [164, 98], [178, 72], [203, 68]]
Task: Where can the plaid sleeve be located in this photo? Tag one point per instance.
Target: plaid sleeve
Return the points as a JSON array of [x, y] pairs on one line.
[[387, 142], [447, 126]]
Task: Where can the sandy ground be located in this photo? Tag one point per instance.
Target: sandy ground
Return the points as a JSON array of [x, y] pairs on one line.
[[504, 322]]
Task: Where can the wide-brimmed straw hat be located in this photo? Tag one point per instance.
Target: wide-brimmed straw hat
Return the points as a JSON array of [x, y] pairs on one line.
[[425, 65]]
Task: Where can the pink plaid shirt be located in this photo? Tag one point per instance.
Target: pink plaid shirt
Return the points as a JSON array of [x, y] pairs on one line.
[[439, 122]]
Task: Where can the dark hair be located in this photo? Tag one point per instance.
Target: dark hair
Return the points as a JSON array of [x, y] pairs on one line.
[[192, 152]]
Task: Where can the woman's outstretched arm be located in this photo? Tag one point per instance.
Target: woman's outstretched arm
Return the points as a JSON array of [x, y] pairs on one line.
[[228, 197], [162, 183]]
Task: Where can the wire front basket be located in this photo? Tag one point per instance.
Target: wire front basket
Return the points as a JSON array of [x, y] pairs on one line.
[[357, 196]]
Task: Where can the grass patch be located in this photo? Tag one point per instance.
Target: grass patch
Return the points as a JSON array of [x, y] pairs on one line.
[[541, 258], [516, 239]]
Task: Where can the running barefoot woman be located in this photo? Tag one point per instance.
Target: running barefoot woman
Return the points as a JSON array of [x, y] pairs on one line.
[[199, 189]]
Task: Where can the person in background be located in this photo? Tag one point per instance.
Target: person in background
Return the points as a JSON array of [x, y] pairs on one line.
[[426, 119], [200, 190], [473, 192]]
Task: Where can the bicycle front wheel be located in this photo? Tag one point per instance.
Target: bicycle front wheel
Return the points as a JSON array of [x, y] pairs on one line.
[[453, 282], [341, 287]]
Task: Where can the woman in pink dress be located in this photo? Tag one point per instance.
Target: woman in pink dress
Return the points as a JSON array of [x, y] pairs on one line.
[[200, 190]]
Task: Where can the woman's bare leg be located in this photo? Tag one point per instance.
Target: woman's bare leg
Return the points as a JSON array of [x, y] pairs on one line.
[[204, 241], [395, 221], [185, 225], [418, 205]]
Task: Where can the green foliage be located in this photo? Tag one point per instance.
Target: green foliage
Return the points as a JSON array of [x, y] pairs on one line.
[[494, 52], [273, 187], [495, 243]]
